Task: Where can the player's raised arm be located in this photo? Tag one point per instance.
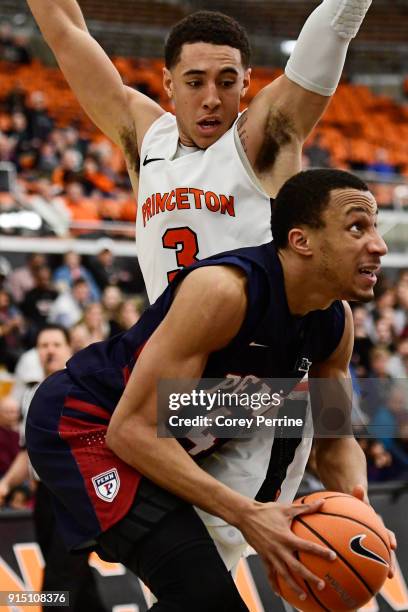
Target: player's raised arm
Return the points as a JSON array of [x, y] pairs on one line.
[[285, 112], [121, 113]]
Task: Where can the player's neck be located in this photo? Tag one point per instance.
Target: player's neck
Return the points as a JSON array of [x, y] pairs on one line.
[[304, 289]]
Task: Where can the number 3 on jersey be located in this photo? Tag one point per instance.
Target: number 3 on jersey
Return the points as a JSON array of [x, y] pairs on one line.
[[184, 241]]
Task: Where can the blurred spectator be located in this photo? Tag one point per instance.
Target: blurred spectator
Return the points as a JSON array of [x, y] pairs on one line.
[[73, 140], [129, 312], [384, 333], [95, 322], [38, 301], [381, 164], [362, 343], [11, 332], [20, 137], [39, 121], [22, 279], [9, 420], [27, 373], [15, 101], [48, 159], [21, 52], [5, 268], [13, 46], [104, 268], [398, 363], [68, 308], [50, 207], [318, 153], [94, 179], [69, 169], [400, 447], [81, 209], [71, 269], [79, 337], [385, 422], [112, 297], [6, 148], [380, 465]]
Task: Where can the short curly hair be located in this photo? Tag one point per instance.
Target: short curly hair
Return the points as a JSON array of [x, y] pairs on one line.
[[209, 27]]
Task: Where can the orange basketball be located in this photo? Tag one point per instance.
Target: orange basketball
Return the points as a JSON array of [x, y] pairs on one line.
[[355, 532]]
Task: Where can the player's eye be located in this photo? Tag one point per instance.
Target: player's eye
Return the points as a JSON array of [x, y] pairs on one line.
[[193, 83], [356, 228], [228, 83]]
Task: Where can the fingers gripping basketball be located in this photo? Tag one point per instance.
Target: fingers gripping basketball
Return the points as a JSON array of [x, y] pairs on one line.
[[357, 535]]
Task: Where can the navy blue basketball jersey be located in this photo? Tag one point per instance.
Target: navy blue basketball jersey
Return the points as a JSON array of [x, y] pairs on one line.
[[271, 342], [70, 412]]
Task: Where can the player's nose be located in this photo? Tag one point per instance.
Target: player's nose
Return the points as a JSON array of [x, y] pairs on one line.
[[212, 98], [377, 245]]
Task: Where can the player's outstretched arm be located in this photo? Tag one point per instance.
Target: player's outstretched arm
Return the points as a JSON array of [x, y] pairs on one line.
[[341, 463], [283, 114], [206, 314], [117, 110]]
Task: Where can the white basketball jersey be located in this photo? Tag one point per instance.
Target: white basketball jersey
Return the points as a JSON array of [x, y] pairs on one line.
[[189, 208], [194, 206]]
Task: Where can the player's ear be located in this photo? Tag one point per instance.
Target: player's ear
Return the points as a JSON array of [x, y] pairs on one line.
[[246, 82], [168, 82], [299, 241]]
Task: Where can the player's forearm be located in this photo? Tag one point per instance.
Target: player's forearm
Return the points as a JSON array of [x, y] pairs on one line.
[[55, 17], [165, 462], [317, 61], [18, 471], [341, 464]]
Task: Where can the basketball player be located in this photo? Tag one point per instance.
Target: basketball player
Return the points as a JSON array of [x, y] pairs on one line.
[[120, 487], [205, 176]]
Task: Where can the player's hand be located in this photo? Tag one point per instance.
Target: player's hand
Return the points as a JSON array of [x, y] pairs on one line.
[[267, 528], [4, 491], [361, 494]]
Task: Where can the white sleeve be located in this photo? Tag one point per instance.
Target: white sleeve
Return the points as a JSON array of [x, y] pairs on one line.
[[317, 61]]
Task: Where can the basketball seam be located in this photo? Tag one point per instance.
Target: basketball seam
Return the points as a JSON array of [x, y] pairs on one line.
[[309, 588], [318, 535], [350, 518], [324, 498]]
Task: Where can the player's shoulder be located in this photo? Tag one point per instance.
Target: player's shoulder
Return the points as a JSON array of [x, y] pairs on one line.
[[223, 283]]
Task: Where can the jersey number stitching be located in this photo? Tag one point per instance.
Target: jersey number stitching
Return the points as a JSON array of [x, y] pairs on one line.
[[185, 242]]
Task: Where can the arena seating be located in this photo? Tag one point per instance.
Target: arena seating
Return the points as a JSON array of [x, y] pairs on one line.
[[355, 125]]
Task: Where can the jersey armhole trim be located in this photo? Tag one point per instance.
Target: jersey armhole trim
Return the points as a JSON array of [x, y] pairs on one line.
[[243, 160], [154, 124]]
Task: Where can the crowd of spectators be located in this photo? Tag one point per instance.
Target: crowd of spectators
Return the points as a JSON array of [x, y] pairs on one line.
[[62, 173], [93, 299]]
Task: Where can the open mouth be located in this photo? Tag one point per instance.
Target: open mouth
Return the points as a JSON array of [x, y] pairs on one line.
[[209, 124], [369, 273]]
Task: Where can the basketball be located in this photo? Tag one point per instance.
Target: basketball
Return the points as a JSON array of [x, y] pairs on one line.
[[357, 535]]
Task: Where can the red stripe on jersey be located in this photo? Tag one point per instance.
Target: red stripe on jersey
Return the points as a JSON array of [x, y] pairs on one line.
[[98, 411], [93, 458], [140, 349], [126, 374]]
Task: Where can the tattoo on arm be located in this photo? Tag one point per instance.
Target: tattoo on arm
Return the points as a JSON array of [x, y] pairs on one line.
[[279, 131], [128, 138], [242, 133]]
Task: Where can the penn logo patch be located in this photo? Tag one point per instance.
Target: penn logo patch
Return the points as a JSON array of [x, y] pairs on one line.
[[107, 484]]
